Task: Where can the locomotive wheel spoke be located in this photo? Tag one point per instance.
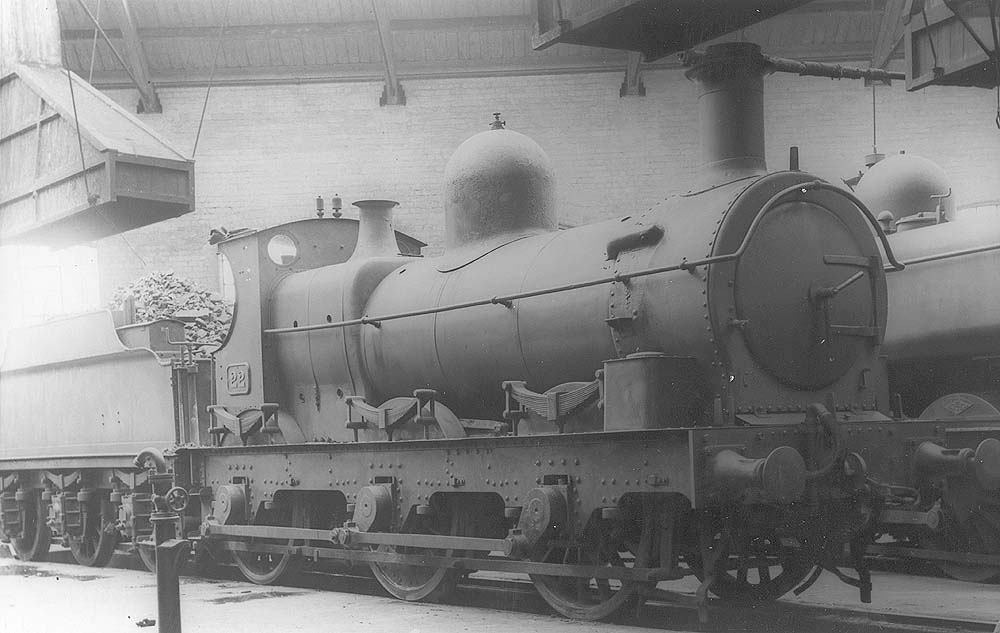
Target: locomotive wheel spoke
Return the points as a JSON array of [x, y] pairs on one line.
[[596, 598], [263, 568], [604, 588], [764, 574], [34, 545], [741, 572], [418, 583], [777, 570], [991, 518], [414, 582], [95, 546], [146, 552]]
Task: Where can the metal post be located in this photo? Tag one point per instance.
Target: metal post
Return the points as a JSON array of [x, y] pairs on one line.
[[170, 554]]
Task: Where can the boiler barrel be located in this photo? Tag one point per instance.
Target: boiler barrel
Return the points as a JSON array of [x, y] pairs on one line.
[[545, 340], [946, 306]]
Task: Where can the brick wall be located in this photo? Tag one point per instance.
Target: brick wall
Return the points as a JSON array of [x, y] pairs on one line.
[[266, 151]]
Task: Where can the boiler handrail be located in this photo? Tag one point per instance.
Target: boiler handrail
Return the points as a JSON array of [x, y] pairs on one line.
[[508, 299]]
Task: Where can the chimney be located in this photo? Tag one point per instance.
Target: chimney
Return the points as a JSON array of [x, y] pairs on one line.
[[376, 236], [730, 80]]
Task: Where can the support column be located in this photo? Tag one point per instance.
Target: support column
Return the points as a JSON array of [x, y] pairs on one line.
[[135, 57], [632, 84], [392, 93]]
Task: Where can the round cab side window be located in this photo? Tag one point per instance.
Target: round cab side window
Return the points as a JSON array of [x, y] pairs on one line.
[[282, 250]]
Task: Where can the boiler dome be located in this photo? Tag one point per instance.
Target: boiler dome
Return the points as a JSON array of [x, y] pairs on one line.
[[904, 185], [497, 183]]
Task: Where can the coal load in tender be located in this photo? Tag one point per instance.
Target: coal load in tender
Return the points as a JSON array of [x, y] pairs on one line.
[[165, 295]]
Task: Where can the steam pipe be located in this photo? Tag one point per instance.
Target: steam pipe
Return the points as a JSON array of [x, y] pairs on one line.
[[151, 456], [805, 68]]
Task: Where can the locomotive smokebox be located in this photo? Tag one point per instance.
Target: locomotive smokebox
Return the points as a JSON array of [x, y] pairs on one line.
[[730, 80], [497, 183], [376, 236]]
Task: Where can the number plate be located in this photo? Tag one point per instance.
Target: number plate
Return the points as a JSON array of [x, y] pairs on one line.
[[238, 379]]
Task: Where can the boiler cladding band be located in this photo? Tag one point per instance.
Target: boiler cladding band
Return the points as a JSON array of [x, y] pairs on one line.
[[506, 300]]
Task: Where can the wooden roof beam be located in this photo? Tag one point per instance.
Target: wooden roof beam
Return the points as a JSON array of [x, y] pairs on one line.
[[392, 93], [310, 29], [132, 57], [135, 55], [890, 32]]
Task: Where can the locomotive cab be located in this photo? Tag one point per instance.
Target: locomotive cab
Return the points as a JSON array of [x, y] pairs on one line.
[[279, 268]]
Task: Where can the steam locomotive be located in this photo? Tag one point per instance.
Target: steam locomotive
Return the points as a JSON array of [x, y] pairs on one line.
[[942, 339], [696, 390]]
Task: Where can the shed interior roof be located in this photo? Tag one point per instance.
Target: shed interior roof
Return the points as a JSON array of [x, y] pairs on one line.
[[277, 40]]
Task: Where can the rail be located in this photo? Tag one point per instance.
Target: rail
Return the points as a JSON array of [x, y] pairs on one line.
[[508, 299]]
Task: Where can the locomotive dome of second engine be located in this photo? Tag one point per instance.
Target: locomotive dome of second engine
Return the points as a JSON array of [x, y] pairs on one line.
[[498, 182], [906, 184]]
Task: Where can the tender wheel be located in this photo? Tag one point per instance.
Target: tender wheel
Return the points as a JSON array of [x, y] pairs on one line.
[[93, 549], [599, 598], [415, 582], [34, 545], [146, 551], [96, 546]]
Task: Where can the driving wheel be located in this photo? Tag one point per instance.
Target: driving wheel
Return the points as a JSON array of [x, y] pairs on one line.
[[419, 583], [629, 544]]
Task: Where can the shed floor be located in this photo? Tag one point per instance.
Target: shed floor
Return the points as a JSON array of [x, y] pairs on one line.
[[59, 596]]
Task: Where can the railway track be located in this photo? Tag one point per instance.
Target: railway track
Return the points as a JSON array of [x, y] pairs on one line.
[[511, 593], [516, 594], [778, 616]]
